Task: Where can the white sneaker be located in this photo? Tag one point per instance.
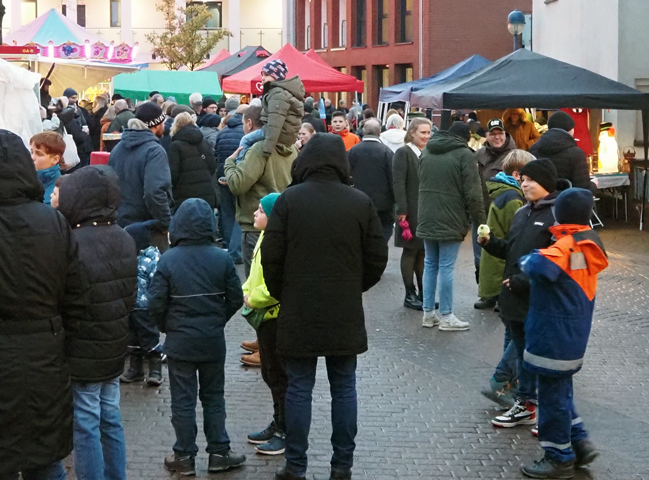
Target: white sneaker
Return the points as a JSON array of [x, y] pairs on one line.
[[450, 323], [431, 319]]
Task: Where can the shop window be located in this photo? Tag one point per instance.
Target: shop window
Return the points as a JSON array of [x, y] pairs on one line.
[[405, 21], [115, 13], [403, 72], [29, 11], [81, 14], [361, 23], [215, 9], [383, 28]]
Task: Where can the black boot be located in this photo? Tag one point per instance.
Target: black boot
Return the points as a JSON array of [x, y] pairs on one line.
[[154, 379], [411, 300], [135, 372], [483, 303]]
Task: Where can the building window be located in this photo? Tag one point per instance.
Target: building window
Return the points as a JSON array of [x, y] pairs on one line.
[[361, 21], [405, 21], [343, 34], [115, 13], [342, 26], [81, 14], [307, 24], [403, 72], [216, 9], [382, 22]]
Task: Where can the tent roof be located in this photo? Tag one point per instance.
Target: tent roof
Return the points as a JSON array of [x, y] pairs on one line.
[[179, 84], [244, 58], [401, 92], [311, 53], [222, 55], [54, 26], [315, 76], [528, 79]]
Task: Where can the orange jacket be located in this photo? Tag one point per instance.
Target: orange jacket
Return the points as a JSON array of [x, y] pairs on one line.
[[349, 139]]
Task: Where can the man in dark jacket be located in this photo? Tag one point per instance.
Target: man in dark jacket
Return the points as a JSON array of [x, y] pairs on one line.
[[322, 249], [145, 179], [370, 163], [193, 294], [530, 230], [123, 115], [44, 297], [88, 199], [449, 193], [558, 145]]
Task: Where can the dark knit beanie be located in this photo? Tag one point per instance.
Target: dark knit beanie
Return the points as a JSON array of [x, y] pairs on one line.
[[461, 129], [574, 206], [561, 120], [276, 69], [180, 109], [543, 172], [69, 92], [150, 114], [268, 202], [207, 101], [211, 120]]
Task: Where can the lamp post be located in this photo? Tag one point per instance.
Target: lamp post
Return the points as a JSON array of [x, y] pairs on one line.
[[2, 14], [516, 25]]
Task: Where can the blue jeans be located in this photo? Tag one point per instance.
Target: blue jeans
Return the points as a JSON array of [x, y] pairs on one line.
[[53, 471], [341, 371], [99, 445], [507, 368], [439, 262], [231, 229], [559, 424], [526, 379], [184, 385]]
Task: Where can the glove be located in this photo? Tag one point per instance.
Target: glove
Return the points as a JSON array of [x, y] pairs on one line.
[[405, 230]]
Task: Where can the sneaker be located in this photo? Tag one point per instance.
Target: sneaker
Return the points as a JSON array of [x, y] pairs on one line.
[[585, 452], [219, 463], [285, 474], [484, 303], [522, 413], [548, 468], [275, 446], [450, 323], [430, 319], [251, 359], [135, 372], [251, 347], [181, 465], [535, 431], [259, 438], [500, 392]]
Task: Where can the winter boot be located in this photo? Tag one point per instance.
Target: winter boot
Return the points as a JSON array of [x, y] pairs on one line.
[[549, 468], [484, 303], [411, 300], [585, 452], [220, 463], [499, 392], [154, 379], [185, 466], [135, 372]]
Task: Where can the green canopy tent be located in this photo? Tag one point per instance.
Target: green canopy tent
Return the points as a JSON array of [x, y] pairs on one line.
[[178, 84]]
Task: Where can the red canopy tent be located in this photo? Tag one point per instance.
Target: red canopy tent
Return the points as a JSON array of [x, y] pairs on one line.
[[314, 56], [222, 55], [316, 76]]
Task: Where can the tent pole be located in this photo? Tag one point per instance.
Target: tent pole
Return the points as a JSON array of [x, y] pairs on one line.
[[645, 134]]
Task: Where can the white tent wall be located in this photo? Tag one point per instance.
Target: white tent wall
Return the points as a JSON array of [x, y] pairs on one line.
[[19, 106], [79, 77]]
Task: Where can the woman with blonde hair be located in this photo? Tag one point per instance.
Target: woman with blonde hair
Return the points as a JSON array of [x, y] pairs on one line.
[[394, 134], [405, 178], [304, 135], [191, 161]]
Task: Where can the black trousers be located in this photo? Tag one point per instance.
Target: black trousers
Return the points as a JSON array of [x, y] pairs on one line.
[[272, 370]]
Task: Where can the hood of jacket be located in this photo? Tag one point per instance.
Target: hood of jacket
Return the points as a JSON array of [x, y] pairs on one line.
[[18, 180], [444, 142], [589, 242], [496, 186], [554, 141], [190, 134], [91, 194], [393, 136], [293, 85], [193, 223], [132, 139], [324, 155], [235, 120], [507, 116]]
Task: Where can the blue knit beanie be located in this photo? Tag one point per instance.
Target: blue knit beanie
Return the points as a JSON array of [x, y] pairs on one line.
[[574, 206], [268, 202]]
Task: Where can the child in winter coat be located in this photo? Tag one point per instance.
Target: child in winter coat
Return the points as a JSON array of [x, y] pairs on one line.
[[260, 304], [563, 281], [193, 294], [47, 150], [506, 198], [282, 110]]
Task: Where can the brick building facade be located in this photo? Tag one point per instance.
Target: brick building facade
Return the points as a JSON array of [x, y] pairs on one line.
[[378, 41]]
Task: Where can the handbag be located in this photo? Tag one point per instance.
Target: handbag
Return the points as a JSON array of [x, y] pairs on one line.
[[70, 156]]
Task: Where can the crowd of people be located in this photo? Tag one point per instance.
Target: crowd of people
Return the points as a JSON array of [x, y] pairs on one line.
[[99, 260]]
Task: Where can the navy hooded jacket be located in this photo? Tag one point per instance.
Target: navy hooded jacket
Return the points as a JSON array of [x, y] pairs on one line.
[[195, 290], [228, 141]]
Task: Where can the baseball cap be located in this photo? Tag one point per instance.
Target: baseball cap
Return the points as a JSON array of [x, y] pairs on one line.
[[494, 124]]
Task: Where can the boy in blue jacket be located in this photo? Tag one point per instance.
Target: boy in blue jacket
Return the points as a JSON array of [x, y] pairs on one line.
[[563, 281], [193, 294]]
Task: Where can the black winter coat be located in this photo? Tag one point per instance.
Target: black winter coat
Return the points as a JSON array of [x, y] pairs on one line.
[[227, 141], [530, 230], [405, 181], [165, 141], [81, 139], [192, 165], [370, 163], [195, 290], [569, 160], [322, 249], [88, 199], [42, 300], [95, 127], [490, 162]]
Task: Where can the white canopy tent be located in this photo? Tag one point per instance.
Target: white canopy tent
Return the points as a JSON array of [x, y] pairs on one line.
[[19, 105]]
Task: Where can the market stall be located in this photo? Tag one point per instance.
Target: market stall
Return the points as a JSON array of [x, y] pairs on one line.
[[311, 53], [219, 57], [177, 84], [19, 106], [235, 63]]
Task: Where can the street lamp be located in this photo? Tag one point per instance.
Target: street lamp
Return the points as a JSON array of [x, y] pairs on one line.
[[516, 25]]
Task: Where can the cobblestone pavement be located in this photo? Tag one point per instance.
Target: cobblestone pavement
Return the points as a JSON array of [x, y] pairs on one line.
[[420, 411]]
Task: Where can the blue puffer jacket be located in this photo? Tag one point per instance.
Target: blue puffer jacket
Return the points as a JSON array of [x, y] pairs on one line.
[[143, 170], [228, 141], [195, 290]]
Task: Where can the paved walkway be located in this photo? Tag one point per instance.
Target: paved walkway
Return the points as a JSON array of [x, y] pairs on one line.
[[420, 413]]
